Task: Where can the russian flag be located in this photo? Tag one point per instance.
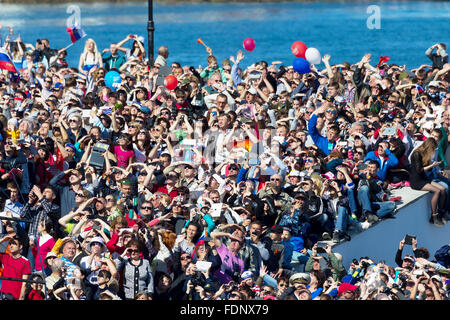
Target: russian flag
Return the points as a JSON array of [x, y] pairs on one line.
[[200, 242], [75, 33], [5, 61]]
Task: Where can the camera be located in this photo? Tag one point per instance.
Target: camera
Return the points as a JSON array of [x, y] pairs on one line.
[[197, 280]]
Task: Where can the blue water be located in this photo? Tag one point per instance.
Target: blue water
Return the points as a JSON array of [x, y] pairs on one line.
[[339, 29]]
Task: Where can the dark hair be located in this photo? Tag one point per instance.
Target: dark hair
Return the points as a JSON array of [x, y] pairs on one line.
[[374, 162], [105, 273]]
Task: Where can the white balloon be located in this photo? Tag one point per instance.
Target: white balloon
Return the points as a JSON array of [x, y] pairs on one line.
[[313, 56]]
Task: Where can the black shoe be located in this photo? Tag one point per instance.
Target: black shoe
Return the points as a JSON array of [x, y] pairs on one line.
[[363, 217], [347, 237], [436, 220]]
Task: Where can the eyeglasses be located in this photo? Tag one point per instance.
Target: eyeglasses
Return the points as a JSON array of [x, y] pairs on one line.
[[392, 101], [73, 120]]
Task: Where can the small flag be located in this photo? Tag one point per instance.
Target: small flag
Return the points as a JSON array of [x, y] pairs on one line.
[[200, 242], [75, 33], [383, 60], [419, 89], [5, 61]]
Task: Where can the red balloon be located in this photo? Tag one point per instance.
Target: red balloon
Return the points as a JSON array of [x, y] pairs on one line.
[[249, 44], [170, 82], [298, 49]]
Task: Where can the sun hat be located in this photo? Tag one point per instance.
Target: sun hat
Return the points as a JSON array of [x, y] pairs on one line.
[[96, 240]]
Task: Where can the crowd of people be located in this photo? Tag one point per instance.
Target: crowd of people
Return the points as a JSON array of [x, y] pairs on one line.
[[224, 188]]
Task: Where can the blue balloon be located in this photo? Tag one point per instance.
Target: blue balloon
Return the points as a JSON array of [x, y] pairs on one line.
[[301, 65], [113, 80]]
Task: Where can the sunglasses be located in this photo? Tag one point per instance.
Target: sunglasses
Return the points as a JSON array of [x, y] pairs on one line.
[[172, 176], [275, 179], [134, 251], [165, 112], [185, 258], [146, 208], [132, 126], [331, 111], [73, 120]]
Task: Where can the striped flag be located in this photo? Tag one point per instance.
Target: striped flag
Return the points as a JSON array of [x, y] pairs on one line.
[[75, 33], [6, 62], [200, 242]]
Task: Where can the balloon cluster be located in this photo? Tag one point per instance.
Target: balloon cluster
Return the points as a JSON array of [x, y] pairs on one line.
[[305, 57]]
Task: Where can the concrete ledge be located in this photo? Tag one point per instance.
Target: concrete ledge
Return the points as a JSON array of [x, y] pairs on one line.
[[380, 241]]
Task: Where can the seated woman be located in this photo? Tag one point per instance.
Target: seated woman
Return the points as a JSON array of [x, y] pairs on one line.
[[421, 161]]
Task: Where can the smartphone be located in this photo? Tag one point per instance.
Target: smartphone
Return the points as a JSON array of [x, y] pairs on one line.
[[95, 227], [389, 131], [408, 239], [361, 166], [343, 143], [322, 245], [418, 272], [3, 246], [254, 162]]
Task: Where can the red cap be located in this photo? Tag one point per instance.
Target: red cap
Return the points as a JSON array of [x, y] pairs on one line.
[[346, 287]]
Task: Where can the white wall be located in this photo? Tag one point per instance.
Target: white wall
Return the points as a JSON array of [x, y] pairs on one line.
[[380, 242]]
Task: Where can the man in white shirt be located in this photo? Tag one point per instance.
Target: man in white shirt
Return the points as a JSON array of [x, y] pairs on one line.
[[12, 205]]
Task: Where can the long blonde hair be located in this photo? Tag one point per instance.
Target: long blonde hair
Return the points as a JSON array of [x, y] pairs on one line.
[[86, 50], [427, 150], [317, 183]]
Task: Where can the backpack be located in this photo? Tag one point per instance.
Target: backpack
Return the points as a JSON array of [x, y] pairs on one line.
[[442, 256]]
